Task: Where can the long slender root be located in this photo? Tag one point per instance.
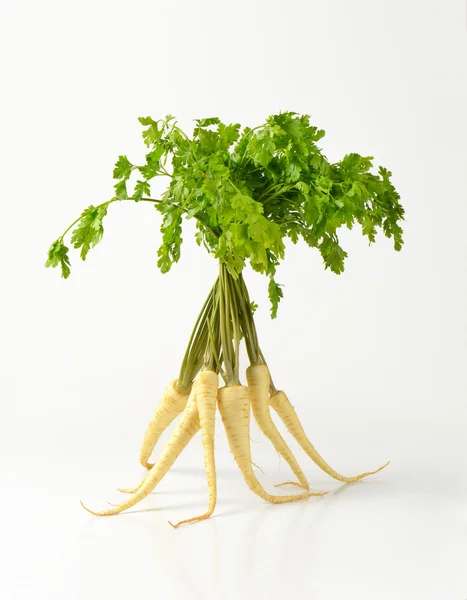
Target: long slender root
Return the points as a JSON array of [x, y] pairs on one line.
[[292, 483], [133, 490], [206, 384], [234, 407], [259, 382], [281, 404], [172, 403], [183, 433]]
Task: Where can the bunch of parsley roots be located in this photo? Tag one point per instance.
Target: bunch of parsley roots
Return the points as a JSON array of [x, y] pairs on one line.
[[248, 189]]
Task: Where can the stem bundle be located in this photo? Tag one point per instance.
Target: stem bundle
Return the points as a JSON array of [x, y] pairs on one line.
[[225, 319]]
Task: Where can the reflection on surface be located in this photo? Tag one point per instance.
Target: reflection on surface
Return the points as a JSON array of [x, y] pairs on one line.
[[400, 536], [261, 542]]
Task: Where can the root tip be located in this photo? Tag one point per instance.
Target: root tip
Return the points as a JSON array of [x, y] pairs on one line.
[[316, 494], [380, 469], [302, 486], [86, 508]]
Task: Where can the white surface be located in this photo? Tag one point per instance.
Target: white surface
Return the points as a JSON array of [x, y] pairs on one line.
[[82, 362]]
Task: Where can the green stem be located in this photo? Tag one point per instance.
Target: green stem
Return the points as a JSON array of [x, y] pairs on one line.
[[224, 326], [255, 354], [248, 323], [248, 329], [193, 359], [235, 324], [213, 354], [152, 200], [214, 344]]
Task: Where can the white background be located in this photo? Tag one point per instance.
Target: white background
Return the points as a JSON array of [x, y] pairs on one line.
[[374, 360]]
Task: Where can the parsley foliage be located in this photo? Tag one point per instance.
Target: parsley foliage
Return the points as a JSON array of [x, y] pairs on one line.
[[248, 190]]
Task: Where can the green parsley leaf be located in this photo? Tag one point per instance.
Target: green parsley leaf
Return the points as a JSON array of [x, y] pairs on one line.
[[58, 255], [123, 168], [169, 250], [207, 122], [153, 132], [89, 230], [275, 295], [142, 188], [332, 254], [228, 134], [120, 190]]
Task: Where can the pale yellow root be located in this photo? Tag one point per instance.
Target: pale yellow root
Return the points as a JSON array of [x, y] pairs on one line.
[[259, 382], [206, 383], [234, 407], [289, 483], [281, 404], [182, 434], [133, 490], [172, 403]]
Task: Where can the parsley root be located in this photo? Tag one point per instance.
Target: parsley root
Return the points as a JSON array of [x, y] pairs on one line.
[[234, 407], [183, 433], [281, 404], [206, 397], [249, 190], [172, 403], [259, 382]]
